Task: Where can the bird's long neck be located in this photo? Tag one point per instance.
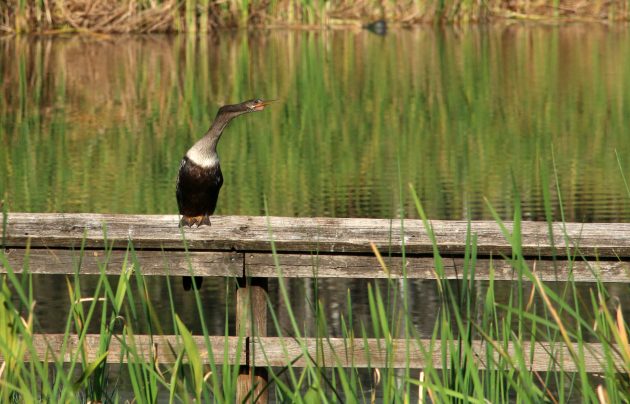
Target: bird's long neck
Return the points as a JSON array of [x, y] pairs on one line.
[[204, 152]]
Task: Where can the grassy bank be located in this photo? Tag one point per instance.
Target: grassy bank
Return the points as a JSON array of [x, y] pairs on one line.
[[124, 16], [466, 312]]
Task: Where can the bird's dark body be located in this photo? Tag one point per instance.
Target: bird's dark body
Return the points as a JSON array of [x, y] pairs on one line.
[[200, 179], [198, 188], [197, 193]]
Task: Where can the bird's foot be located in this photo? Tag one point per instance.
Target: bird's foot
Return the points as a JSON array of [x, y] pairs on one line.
[[186, 221], [194, 220]]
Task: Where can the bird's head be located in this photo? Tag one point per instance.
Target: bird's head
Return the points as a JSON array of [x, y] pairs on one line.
[[257, 104], [247, 106]]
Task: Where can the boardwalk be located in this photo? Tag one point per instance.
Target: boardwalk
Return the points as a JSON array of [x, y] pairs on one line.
[[340, 248], [256, 248]]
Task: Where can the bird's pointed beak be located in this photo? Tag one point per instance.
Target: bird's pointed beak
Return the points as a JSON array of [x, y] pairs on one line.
[[262, 104]]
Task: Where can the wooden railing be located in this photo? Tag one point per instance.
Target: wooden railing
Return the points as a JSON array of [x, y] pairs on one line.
[[239, 246]]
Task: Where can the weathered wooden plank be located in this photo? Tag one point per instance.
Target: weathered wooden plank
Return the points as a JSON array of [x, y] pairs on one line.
[[365, 266], [274, 351], [247, 233], [176, 263], [63, 261], [165, 348], [329, 352]]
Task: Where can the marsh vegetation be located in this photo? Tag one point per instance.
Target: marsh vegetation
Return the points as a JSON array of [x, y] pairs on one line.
[[128, 16]]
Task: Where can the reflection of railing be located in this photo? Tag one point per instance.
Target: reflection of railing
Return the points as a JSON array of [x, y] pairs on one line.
[[239, 246]]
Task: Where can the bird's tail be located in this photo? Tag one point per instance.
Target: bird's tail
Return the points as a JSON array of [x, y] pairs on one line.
[[187, 282]]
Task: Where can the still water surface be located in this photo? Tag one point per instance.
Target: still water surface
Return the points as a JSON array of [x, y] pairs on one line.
[[91, 124], [100, 124]]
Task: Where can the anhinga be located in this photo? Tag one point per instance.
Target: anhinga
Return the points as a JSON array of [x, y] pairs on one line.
[[199, 180]]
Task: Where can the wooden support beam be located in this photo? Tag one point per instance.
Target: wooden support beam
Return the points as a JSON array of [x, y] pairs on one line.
[[251, 322], [351, 266], [361, 353], [161, 348], [330, 352], [366, 266], [152, 263]]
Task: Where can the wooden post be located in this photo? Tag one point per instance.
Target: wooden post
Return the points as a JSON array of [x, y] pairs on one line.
[[251, 321]]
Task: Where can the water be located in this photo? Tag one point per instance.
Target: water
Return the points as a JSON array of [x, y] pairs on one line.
[[99, 124], [465, 115]]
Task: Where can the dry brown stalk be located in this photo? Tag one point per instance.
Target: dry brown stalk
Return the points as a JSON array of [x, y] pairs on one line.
[[132, 16]]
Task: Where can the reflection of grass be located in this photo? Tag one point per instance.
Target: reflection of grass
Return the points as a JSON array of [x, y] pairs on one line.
[[124, 16], [106, 132], [534, 312]]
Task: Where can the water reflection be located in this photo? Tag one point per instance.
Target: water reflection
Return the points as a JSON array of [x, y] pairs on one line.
[[100, 125], [343, 302], [464, 115]]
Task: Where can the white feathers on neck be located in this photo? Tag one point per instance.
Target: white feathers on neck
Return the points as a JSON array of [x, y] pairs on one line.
[[202, 159]]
